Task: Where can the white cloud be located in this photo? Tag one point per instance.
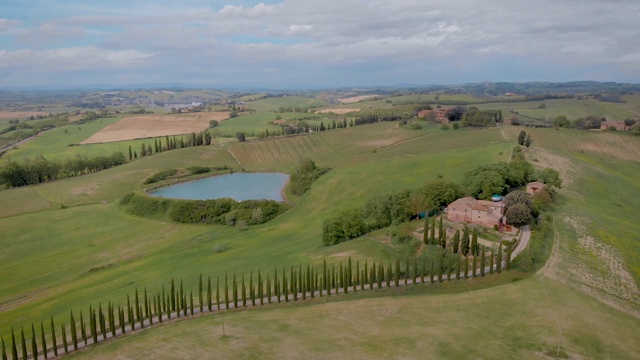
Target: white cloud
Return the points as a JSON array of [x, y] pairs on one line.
[[76, 58], [6, 24]]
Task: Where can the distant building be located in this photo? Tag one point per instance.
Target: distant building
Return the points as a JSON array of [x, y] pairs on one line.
[[618, 125], [439, 114], [480, 212], [534, 187]]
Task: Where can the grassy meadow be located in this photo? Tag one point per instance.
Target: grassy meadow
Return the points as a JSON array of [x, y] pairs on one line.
[[68, 244], [536, 318]]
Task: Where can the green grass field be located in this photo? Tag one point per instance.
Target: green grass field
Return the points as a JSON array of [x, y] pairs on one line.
[[57, 259], [531, 319]]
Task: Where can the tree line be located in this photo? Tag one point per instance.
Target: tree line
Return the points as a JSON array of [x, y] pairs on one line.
[[40, 170], [144, 309]]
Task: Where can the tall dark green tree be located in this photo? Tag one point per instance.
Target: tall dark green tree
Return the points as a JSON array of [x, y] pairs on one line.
[[389, 274], [14, 346], [465, 241], [499, 260], [243, 292], [482, 262], [226, 291], [268, 289], [466, 267], [217, 292], [491, 262], [458, 268], [200, 296], [474, 242], [260, 288], [65, 345], [130, 153], [54, 341], [456, 241], [23, 341], [432, 235], [252, 294], [425, 233], [474, 266], [83, 329], [74, 334], [380, 274], [396, 274], [508, 257], [4, 351], [34, 345], [209, 300], [431, 272], [43, 343]]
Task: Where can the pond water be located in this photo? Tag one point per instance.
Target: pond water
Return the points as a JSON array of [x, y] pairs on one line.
[[238, 186]]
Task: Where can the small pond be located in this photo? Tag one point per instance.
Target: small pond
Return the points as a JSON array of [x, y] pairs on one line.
[[238, 186]]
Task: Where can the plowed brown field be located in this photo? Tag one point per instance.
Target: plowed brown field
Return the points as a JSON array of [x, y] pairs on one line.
[[148, 126]]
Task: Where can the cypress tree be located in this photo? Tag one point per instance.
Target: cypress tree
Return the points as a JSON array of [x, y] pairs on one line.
[[309, 281], [191, 302], [396, 274], [389, 274], [103, 327], [94, 329], [168, 306], [345, 281], [260, 292], [83, 330], [14, 348], [209, 294], [324, 274], [440, 269], [4, 351], [349, 273], [458, 269], [34, 345], [130, 153], [474, 242], [423, 269], [121, 320], [217, 292], [164, 300], [508, 257], [226, 291], [380, 275], [294, 284], [183, 297], [466, 267], [315, 285], [243, 292], [303, 284], [406, 272], [333, 278], [268, 289], [24, 344], [54, 341], [200, 296], [449, 270], [154, 310], [499, 260], [64, 340], [456, 241], [491, 262], [43, 342], [185, 305], [431, 272], [74, 335], [112, 320], [252, 294], [465, 241], [341, 277], [441, 234], [372, 276], [159, 309], [285, 288], [415, 271], [473, 268], [432, 236], [425, 233], [172, 293], [482, 262], [365, 273], [136, 302], [277, 287]]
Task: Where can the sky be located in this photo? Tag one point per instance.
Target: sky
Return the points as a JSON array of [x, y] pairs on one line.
[[315, 43]]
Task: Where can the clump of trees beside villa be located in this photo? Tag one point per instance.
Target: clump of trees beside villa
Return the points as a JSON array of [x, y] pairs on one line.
[[474, 195]]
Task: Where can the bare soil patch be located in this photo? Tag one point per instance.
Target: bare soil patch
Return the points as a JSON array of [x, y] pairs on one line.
[[21, 115], [355, 99], [148, 126], [337, 111]]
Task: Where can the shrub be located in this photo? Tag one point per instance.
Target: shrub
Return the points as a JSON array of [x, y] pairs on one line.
[[198, 169], [306, 173], [456, 126], [159, 176]]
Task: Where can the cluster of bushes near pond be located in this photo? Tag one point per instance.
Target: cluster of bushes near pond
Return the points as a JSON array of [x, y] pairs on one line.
[[218, 211]]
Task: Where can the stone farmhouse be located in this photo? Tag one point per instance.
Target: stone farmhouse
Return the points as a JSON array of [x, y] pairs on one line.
[[439, 114], [480, 212], [618, 125], [534, 187]]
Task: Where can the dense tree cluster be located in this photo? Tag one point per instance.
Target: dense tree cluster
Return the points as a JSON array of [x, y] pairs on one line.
[[39, 170], [481, 118], [219, 211], [306, 173]]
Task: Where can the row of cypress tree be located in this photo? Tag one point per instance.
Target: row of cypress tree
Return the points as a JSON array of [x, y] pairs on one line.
[[282, 285]]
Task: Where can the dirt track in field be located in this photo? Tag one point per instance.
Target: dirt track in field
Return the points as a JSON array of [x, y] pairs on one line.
[[148, 126]]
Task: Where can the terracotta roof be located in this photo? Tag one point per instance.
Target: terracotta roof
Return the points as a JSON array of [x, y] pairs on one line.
[[536, 183], [465, 201]]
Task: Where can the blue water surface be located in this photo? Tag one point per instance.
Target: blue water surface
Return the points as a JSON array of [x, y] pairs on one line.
[[238, 186]]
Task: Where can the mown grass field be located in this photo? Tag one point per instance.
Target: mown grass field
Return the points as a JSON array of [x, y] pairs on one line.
[[272, 104], [60, 259], [536, 318]]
